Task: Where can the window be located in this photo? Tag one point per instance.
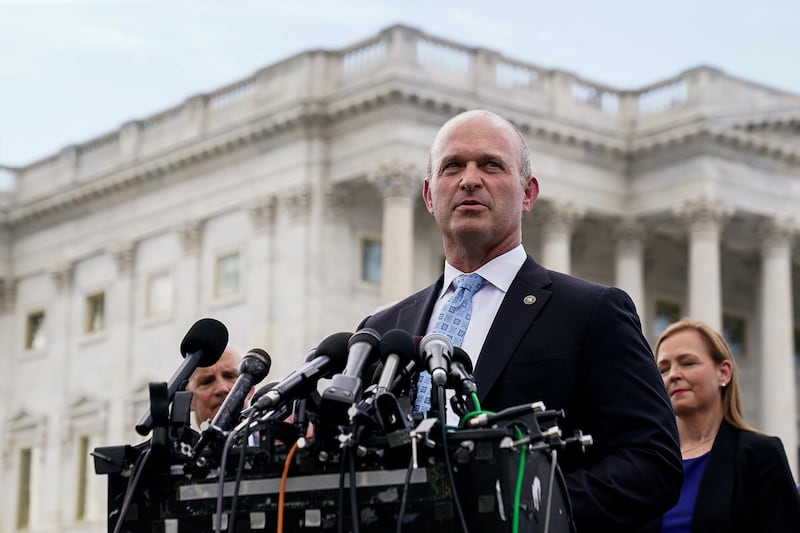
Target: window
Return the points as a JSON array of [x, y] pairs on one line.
[[666, 314], [83, 478], [371, 260], [24, 489], [228, 275], [95, 313], [34, 331], [158, 302], [733, 330]]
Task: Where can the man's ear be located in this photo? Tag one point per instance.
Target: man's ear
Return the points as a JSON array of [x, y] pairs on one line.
[[530, 193], [426, 195]]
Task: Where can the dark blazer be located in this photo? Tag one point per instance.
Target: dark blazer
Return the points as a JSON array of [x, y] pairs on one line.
[[747, 486], [578, 346]]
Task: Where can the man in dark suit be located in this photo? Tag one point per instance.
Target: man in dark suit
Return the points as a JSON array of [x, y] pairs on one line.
[[543, 335]]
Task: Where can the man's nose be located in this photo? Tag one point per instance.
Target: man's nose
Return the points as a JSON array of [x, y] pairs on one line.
[[471, 177]]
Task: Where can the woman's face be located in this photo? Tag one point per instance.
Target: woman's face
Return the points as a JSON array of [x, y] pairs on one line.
[[691, 377]]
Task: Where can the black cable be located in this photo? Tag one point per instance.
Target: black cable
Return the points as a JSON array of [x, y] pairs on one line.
[[239, 473], [442, 420], [406, 485], [340, 514], [353, 495], [138, 468], [221, 486]]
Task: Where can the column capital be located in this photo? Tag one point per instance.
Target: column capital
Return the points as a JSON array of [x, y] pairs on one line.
[[394, 178], [123, 256], [8, 293], [560, 217], [629, 229], [703, 214], [63, 275], [776, 233], [190, 234], [298, 201], [262, 212]]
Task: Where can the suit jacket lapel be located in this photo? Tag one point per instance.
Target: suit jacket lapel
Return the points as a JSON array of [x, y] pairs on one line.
[[717, 483], [415, 315], [521, 305]]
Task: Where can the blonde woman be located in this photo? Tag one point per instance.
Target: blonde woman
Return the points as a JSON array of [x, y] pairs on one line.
[[735, 478]]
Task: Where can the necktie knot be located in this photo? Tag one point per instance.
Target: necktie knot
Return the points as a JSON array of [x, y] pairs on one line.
[[471, 283]]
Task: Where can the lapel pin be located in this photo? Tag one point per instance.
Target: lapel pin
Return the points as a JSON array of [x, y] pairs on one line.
[[529, 299]]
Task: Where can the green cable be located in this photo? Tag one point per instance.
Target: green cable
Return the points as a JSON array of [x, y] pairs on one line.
[[520, 478]]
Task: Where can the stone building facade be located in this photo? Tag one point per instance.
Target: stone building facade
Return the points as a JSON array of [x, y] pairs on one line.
[[288, 206]]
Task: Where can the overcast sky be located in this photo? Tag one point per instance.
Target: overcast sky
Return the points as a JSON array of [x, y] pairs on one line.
[[71, 70]]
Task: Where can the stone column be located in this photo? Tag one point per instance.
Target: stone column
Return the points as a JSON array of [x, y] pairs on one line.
[[704, 219], [260, 279], [289, 305], [189, 278], [120, 321], [558, 223], [399, 186], [58, 350], [778, 404], [629, 264]]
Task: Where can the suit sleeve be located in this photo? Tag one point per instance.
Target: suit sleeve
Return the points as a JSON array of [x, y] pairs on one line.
[[773, 499], [633, 472]]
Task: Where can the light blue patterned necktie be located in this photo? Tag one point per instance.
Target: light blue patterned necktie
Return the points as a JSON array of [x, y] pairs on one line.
[[452, 321]]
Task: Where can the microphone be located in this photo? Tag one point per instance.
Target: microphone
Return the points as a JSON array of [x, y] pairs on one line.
[[345, 388], [460, 377], [329, 357], [202, 346], [397, 347], [436, 351], [253, 368]]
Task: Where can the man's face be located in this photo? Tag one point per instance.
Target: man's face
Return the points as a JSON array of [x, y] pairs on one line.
[[210, 385], [475, 193]]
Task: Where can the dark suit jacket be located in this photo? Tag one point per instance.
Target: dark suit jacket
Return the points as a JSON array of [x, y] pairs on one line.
[[747, 486], [578, 347]]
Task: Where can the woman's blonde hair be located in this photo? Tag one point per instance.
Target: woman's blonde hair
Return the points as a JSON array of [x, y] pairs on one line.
[[719, 351]]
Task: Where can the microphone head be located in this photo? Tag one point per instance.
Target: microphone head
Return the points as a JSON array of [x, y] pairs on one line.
[[335, 347], [461, 356], [368, 335], [257, 363], [400, 343], [432, 339], [208, 336], [262, 391]]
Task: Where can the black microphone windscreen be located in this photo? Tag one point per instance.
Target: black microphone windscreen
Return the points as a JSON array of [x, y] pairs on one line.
[[335, 347], [461, 356], [257, 363], [400, 343], [208, 336]]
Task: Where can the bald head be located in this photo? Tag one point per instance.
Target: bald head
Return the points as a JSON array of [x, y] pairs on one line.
[[523, 159]]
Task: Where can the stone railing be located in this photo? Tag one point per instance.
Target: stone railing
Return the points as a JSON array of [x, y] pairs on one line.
[[440, 68]]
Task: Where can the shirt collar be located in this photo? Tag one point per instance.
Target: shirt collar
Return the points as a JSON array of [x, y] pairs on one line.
[[500, 271]]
